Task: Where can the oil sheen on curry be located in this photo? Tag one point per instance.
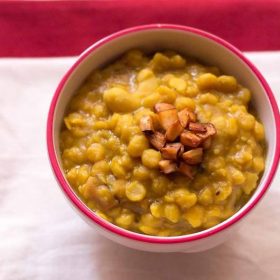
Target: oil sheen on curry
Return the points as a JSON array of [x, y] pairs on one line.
[[162, 144]]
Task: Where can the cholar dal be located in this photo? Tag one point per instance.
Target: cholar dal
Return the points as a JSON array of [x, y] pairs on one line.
[[114, 169]]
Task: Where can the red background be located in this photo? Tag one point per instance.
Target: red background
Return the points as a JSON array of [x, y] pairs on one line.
[[65, 28]]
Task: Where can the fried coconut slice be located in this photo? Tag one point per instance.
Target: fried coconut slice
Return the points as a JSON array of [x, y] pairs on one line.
[[172, 151], [146, 125], [157, 140], [197, 127], [189, 139], [210, 131], [185, 116], [193, 156], [167, 118], [173, 131]]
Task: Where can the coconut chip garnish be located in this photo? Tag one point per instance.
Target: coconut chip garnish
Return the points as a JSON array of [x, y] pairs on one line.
[[181, 140]]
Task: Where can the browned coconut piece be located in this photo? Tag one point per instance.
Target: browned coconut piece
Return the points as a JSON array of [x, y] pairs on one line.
[[210, 131], [189, 139], [185, 116], [174, 131], [172, 151], [157, 140], [167, 118], [197, 127], [146, 125], [193, 156]]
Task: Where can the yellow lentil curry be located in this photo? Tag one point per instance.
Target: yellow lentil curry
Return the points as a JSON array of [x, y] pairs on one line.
[[112, 167]]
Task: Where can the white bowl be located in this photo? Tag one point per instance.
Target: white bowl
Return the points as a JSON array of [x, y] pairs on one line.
[[191, 42]]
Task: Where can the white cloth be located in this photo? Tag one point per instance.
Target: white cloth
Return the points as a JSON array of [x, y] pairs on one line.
[[42, 238]]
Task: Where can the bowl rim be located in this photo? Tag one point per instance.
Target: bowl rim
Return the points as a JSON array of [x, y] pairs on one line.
[[70, 194]]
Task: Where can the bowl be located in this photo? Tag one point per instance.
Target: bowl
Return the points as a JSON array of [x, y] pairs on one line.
[[187, 41]]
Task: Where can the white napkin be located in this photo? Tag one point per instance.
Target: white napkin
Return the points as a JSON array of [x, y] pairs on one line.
[[42, 238]]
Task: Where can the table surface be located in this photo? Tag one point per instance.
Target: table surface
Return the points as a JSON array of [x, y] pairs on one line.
[[42, 238]]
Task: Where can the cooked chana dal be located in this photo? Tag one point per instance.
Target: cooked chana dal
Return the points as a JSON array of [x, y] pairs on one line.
[[114, 169]]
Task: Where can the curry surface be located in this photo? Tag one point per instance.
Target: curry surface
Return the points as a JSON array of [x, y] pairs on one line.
[[111, 166]]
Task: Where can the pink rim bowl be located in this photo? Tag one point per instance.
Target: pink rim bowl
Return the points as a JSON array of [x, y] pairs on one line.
[[191, 42]]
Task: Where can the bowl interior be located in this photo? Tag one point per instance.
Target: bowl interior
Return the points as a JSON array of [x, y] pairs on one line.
[[185, 42]]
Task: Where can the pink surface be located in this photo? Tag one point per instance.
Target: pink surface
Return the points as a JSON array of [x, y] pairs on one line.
[[81, 206], [65, 28]]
